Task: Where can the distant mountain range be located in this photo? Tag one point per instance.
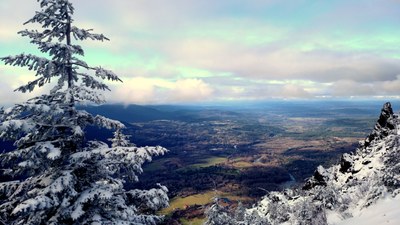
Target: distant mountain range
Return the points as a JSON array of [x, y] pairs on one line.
[[144, 113], [137, 113]]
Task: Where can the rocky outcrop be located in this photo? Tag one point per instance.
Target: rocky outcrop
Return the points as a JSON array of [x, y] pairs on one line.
[[346, 163], [319, 178], [352, 163], [358, 181], [385, 124]]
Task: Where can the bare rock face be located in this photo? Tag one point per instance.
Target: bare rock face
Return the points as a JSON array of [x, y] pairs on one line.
[[346, 163], [319, 178]]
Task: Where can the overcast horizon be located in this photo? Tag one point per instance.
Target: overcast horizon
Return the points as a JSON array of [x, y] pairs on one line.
[[186, 51]]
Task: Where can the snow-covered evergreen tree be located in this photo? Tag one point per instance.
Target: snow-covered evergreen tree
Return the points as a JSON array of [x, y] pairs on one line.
[[120, 139], [56, 177], [240, 212], [218, 215]]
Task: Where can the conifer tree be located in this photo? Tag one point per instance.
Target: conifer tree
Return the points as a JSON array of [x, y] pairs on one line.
[[218, 215], [58, 177]]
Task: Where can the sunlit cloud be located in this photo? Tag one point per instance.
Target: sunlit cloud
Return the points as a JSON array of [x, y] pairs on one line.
[[13, 78], [188, 90], [153, 90]]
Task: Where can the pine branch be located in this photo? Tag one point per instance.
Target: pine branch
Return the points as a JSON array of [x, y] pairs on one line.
[[102, 121], [106, 74], [31, 61], [83, 94], [82, 34], [90, 82], [32, 84], [59, 50]]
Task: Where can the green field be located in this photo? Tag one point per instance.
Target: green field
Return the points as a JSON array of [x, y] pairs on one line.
[[181, 203], [212, 161], [197, 199], [242, 164], [159, 164]]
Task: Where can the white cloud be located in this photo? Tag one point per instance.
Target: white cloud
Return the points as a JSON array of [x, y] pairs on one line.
[[351, 88], [134, 90], [280, 62], [188, 90], [391, 87], [264, 57], [294, 91], [12, 78], [343, 88], [154, 90]]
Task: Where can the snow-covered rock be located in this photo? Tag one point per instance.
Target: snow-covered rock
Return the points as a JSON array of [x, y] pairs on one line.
[[362, 189]]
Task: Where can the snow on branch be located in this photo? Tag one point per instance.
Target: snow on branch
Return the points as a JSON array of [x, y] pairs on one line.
[[33, 204], [12, 129], [108, 123], [62, 183], [120, 140], [106, 74], [50, 8], [92, 83], [82, 34], [30, 157], [32, 84], [131, 155], [15, 112], [83, 94], [35, 35], [155, 198], [31, 61], [60, 50], [46, 19], [125, 161], [78, 62], [99, 192]]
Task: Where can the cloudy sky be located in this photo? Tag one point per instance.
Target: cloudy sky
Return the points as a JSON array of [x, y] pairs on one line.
[[179, 51]]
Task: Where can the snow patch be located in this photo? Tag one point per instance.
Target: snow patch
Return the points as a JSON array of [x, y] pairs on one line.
[[53, 152], [385, 211]]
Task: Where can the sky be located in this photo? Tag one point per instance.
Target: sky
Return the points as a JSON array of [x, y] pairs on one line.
[[191, 51]]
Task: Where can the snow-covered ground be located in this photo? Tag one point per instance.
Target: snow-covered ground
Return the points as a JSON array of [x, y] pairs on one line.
[[385, 212]]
